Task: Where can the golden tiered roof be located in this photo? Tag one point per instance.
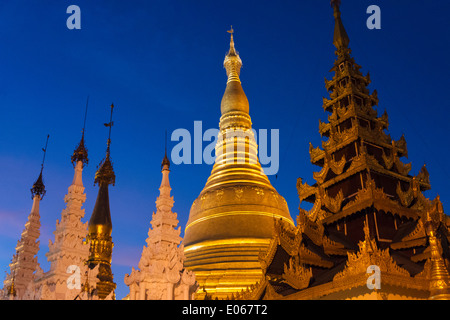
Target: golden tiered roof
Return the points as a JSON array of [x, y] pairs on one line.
[[367, 208]]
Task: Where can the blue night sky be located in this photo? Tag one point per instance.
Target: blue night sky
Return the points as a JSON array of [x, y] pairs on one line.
[[160, 63]]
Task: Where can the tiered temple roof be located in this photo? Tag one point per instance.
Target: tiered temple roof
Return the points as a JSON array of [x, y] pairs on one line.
[[367, 208]]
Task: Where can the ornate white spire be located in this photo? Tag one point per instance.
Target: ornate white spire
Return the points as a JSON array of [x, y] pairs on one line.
[[68, 253], [161, 274], [24, 263], [164, 221]]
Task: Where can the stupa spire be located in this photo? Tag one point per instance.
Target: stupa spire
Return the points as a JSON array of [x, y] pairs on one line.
[[232, 62], [232, 218], [439, 275], [165, 162], [100, 225], [162, 260], [38, 188], [105, 174], [68, 247], [24, 263], [341, 39], [80, 153], [234, 98]]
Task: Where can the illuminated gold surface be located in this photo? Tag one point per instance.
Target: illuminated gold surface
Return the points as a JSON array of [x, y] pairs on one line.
[[232, 220], [100, 225], [439, 277], [100, 242], [424, 276], [225, 266]]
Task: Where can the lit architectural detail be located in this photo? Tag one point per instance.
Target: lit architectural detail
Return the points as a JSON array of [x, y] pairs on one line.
[[232, 220], [367, 209], [240, 241], [100, 227], [161, 274], [438, 266], [24, 263], [19, 283]]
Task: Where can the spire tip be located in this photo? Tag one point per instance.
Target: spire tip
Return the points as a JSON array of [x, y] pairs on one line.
[[80, 152], [165, 161], [105, 174], [335, 3]]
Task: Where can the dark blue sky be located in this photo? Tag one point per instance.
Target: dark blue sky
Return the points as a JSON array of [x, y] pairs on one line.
[[160, 62]]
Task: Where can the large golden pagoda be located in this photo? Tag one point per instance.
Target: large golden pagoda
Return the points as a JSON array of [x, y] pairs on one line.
[[232, 220], [100, 226]]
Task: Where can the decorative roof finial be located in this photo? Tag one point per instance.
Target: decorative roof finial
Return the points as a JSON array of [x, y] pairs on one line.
[[165, 161], [234, 98], [109, 124], [232, 49], [45, 151], [12, 289], [440, 278], [38, 186], [233, 62], [80, 153], [106, 173]]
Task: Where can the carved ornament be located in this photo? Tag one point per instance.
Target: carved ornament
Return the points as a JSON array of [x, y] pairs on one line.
[[369, 254], [405, 197], [297, 275]]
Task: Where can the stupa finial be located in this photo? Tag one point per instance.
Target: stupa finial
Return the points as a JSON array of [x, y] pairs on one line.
[[106, 173], [38, 186], [80, 153], [340, 39]]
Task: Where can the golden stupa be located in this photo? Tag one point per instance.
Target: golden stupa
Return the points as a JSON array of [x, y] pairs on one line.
[[232, 220]]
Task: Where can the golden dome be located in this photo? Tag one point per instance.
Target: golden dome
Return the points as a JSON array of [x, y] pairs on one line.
[[232, 220]]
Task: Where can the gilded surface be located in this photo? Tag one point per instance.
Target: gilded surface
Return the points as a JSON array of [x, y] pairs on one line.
[[232, 220], [357, 150]]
